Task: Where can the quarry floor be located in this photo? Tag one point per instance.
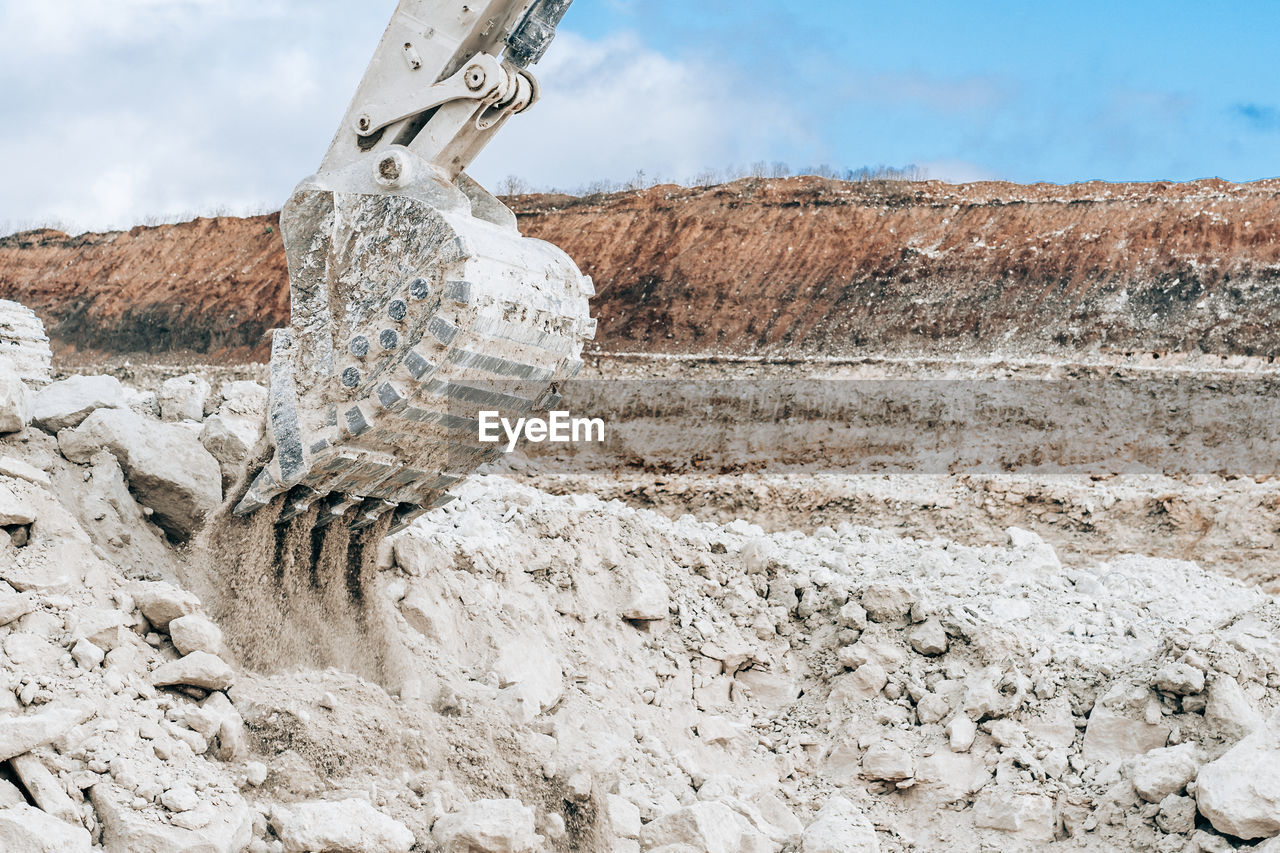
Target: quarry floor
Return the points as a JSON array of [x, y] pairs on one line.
[[717, 631]]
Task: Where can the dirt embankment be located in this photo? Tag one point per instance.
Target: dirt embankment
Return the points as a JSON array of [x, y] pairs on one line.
[[797, 266], [209, 286]]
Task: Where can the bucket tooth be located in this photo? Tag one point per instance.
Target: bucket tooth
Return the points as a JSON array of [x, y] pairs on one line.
[[335, 507], [260, 493], [298, 501], [370, 511], [406, 515]]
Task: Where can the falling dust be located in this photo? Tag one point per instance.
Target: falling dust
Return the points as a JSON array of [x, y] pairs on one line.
[[291, 595]]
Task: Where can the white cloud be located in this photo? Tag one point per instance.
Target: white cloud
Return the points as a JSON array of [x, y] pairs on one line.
[[612, 107], [118, 111]]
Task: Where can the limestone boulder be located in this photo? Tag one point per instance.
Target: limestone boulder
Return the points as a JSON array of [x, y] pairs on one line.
[[840, 827], [243, 397], [162, 602], [1166, 771], [198, 669], [24, 829], [488, 826], [183, 398], [168, 470], [1111, 736], [339, 825], [230, 438], [13, 509], [708, 826], [195, 632], [21, 733], [65, 404], [224, 828], [1024, 814], [15, 402], [1239, 793]]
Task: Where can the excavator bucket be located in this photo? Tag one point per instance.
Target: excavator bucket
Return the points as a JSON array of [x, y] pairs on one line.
[[415, 302]]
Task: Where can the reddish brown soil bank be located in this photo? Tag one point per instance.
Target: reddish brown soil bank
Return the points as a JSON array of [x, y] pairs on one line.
[[210, 286], [803, 266]]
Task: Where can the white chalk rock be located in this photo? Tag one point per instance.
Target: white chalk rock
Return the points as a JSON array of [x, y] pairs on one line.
[[1111, 737], [222, 726], [141, 402], [1177, 814], [21, 733], [1239, 793], [243, 397], [755, 555], [229, 438], [180, 798], [928, 638], [227, 828], [162, 602], [648, 598], [105, 627], [1229, 710], [1008, 734], [986, 694], [705, 826], [530, 673], [774, 690], [852, 615], [933, 708], [885, 762], [887, 601], [1027, 815], [487, 826], [716, 729], [195, 632], [1038, 556], [14, 605], [622, 816], [339, 826], [168, 469], [45, 789], [840, 828], [1179, 678], [1165, 771], [771, 816], [13, 509], [961, 732], [62, 405], [11, 795], [949, 776], [869, 679], [15, 402], [198, 669], [19, 470], [24, 829], [86, 654], [183, 398]]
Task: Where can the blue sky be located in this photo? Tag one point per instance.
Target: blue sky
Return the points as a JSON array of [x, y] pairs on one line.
[[1026, 91], [120, 111]]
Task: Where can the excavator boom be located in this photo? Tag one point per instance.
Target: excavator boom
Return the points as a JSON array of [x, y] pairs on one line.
[[415, 301]]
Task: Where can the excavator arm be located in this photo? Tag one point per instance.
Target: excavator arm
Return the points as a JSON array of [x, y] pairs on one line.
[[415, 301]]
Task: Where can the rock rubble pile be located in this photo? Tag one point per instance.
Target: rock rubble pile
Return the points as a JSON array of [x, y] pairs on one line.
[[569, 674]]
